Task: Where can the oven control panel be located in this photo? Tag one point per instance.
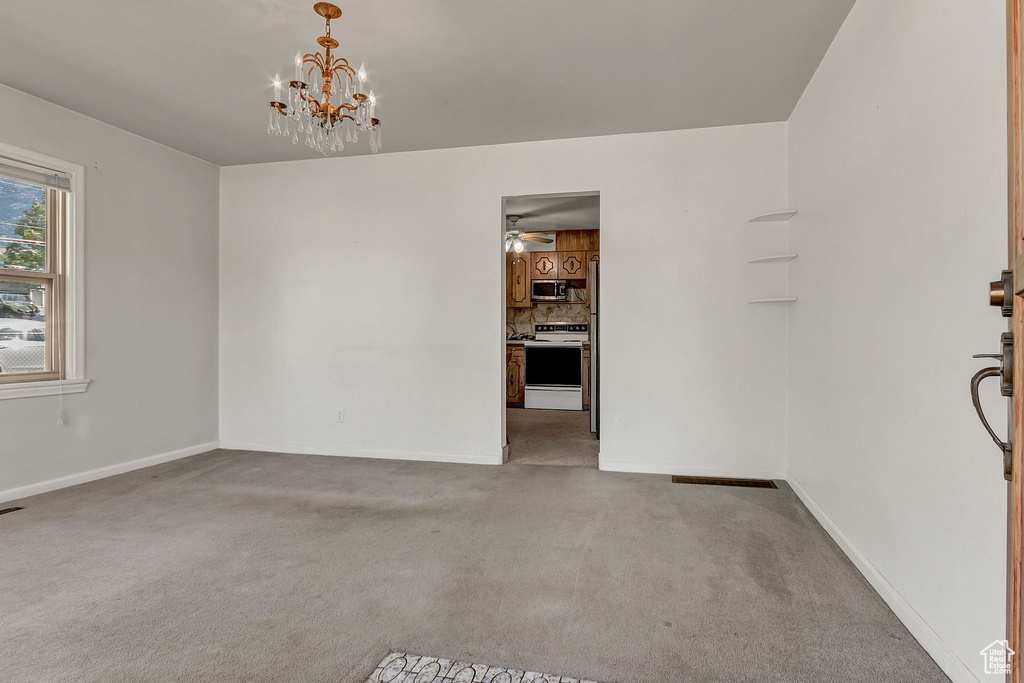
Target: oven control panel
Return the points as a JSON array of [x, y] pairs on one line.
[[562, 327]]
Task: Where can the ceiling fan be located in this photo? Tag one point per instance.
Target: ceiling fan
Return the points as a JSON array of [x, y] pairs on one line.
[[514, 238]]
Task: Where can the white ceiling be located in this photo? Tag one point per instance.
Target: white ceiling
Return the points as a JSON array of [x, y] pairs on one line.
[[545, 212], [195, 75]]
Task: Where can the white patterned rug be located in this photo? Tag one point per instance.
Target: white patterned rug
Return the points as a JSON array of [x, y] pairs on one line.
[[400, 667]]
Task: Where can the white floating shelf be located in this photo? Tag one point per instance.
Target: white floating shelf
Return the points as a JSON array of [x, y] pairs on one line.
[[778, 300], [779, 258], [773, 217]]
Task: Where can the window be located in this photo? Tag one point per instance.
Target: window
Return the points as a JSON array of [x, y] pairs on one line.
[[40, 340]]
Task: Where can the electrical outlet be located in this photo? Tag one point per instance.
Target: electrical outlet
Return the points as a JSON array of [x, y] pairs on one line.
[[341, 416]]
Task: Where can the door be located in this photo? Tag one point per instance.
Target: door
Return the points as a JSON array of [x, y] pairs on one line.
[[1008, 293], [514, 361], [543, 265], [572, 265], [517, 287], [549, 364]]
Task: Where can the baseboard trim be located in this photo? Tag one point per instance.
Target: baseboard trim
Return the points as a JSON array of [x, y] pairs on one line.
[[340, 451], [102, 472], [933, 644], [690, 470]]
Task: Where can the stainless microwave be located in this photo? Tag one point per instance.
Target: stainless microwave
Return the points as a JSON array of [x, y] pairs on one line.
[[548, 290]]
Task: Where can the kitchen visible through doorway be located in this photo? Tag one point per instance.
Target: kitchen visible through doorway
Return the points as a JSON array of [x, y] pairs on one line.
[[552, 328]]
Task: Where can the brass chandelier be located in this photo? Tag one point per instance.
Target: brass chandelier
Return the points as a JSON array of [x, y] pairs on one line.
[[309, 113]]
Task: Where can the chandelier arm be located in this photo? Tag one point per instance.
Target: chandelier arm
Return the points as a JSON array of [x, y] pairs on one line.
[[316, 60], [345, 70], [339, 63]]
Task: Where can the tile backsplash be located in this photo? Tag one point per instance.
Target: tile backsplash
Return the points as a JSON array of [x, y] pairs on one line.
[[522, 320]]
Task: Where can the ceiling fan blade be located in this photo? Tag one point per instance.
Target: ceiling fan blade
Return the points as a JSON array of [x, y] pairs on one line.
[[529, 238]]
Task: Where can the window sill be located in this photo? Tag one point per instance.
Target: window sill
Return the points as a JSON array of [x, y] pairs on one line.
[[51, 388]]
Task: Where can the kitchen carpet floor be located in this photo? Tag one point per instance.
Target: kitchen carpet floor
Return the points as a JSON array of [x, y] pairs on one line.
[[237, 566], [550, 437]]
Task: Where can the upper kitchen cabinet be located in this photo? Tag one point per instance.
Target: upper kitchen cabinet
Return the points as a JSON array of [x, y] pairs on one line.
[[517, 273], [544, 265], [572, 265], [558, 265], [577, 240]]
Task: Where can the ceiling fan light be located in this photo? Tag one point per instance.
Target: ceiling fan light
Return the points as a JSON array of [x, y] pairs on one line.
[[518, 245]]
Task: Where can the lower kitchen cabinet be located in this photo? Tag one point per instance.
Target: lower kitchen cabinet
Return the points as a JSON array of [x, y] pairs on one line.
[[515, 375]]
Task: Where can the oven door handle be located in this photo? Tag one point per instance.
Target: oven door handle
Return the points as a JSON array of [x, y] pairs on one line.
[[554, 345]]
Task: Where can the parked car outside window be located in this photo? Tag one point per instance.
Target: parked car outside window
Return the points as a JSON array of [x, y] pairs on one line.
[[22, 345], [16, 305]]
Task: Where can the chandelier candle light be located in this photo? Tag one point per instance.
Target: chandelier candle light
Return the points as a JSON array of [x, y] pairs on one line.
[[309, 112]]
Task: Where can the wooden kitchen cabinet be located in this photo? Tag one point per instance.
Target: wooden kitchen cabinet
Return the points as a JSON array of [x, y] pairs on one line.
[[544, 265], [517, 275], [558, 265], [572, 265], [577, 240], [515, 375]]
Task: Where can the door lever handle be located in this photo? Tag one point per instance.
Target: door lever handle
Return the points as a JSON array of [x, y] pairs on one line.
[[1005, 363], [976, 400]]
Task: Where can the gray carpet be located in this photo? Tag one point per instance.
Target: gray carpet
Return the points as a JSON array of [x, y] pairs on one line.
[[232, 566], [550, 437]]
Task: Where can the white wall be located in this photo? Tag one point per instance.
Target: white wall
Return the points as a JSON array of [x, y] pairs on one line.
[[374, 285], [150, 304], [897, 166]]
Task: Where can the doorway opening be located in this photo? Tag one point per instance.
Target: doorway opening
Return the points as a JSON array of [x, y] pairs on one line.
[[551, 332]]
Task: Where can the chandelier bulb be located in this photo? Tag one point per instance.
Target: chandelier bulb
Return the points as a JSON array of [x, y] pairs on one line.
[[362, 74]]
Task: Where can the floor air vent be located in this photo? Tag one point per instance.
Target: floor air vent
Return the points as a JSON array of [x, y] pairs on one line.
[[6, 510], [722, 481]]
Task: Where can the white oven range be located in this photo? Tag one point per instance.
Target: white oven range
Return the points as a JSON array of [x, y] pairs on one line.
[[554, 366]]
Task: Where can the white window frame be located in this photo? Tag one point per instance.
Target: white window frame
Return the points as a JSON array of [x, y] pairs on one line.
[[74, 381]]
